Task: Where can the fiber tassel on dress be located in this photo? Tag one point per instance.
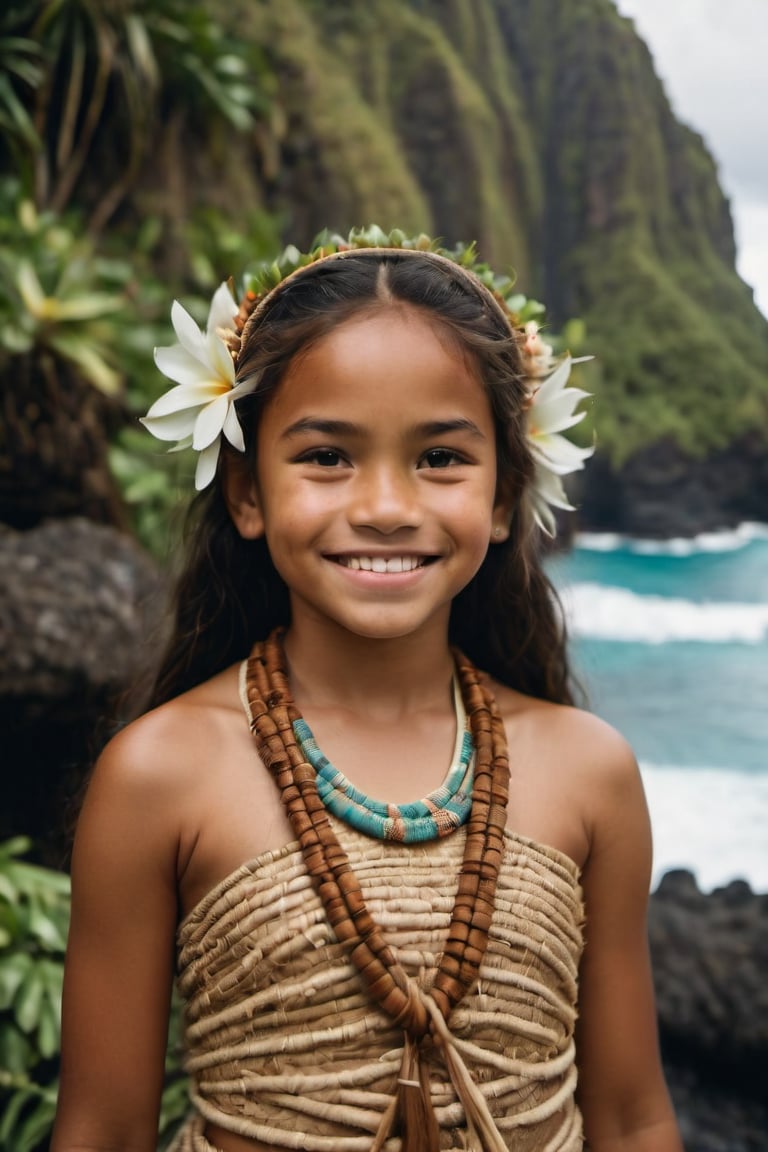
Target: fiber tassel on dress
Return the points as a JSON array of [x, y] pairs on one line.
[[482, 1133], [415, 1116], [410, 1115]]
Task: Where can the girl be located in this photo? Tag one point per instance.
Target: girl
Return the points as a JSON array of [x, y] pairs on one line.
[[363, 974]]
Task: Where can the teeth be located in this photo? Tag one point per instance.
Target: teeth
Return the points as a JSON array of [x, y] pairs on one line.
[[380, 564]]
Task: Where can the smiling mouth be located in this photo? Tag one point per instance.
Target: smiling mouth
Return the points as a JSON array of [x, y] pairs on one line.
[[383, 563]]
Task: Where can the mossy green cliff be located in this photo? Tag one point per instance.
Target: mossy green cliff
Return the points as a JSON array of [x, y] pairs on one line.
[[539, 129]]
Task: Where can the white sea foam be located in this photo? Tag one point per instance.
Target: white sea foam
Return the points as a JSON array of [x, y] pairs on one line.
[[601, 541], [607, 612], [724, 540], [711, 821]]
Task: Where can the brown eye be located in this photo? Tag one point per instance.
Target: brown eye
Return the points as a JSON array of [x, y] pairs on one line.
[[325, 457], [440, 458]]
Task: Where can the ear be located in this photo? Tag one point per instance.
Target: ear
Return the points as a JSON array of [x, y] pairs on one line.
[[241, 496], [501, 520]]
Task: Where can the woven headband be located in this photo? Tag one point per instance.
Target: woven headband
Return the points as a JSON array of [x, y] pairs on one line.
[[264, 303]]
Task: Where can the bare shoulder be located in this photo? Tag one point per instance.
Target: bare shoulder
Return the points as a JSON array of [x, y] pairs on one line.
[[187, 782], [155, 752], [146, 781], [578, 739], [572, 774]]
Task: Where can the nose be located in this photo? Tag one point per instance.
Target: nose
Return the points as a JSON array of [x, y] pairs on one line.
[[385, 498]]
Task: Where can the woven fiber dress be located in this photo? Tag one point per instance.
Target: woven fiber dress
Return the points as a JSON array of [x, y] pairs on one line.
[[285, 1047]]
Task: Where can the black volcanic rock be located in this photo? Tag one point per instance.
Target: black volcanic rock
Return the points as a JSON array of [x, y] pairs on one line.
[[662, 492], [710, 962], [80, 611]]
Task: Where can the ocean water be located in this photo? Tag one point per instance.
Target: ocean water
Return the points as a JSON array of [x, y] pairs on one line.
[[670, 641]]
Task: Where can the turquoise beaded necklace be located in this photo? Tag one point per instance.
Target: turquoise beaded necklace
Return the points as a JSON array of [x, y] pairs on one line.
[[436, 815]]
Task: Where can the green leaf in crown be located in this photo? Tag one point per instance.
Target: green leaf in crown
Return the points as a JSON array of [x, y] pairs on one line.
[[265, 275]]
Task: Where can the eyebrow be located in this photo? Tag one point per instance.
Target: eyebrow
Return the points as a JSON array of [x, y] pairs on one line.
[[445, 427], [347, 428], [325, 427]]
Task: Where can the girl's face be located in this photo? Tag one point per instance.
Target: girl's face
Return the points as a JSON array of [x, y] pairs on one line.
[[376, 477]]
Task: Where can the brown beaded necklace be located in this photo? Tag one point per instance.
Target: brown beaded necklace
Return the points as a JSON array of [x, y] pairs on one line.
[[273, 712]]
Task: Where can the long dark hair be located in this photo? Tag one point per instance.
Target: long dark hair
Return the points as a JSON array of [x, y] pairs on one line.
[[507, 620]]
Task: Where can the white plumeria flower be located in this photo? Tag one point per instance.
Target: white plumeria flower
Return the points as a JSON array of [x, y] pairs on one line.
[[202, 406], [551, 413]]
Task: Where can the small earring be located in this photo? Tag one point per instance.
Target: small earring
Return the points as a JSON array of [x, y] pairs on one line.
[[497, 531]]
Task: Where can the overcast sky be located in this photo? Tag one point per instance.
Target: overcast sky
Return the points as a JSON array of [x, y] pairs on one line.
[[712, 58]]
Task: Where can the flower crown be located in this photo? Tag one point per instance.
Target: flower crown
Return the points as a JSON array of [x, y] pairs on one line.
[[201, 408]]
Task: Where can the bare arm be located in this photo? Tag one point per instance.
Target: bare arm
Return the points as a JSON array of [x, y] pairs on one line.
[[119, 965], [622, 1092]]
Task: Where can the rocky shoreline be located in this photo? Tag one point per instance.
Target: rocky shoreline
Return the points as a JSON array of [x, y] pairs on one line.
[[710, 960], [714, 1118], [661, 492]]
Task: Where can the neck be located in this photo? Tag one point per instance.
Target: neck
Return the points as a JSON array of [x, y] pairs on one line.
[[375, 677]]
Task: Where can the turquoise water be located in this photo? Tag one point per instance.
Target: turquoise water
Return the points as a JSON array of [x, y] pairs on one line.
[[671, 644], [737, 572], [686, 703]]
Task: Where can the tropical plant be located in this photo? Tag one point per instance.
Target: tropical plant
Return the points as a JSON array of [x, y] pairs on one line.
[[52, 293], [85, 86], [34, 916], [72, 323], [21, 71], [34, 920], [61, 312], [76, 316], [81, 79]]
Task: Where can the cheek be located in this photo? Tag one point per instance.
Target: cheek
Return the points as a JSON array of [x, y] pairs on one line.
[[476, 501], [294, 516], [473, 517], [298, 505]]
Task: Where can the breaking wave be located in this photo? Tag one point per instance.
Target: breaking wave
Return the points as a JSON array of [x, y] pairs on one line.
[[607, 612], [711, 821], [725, 540]]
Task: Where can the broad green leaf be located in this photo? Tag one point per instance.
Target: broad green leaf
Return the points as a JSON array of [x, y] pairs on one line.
[[16, 846], [93, 366], [37, 1123], [15, 116], [11, 1115], [13, 969], [28, 1000], [86, 307], [30, 289], [45, 927], [16, 1052], [142, 53], [49, 1029], [8, 891]]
